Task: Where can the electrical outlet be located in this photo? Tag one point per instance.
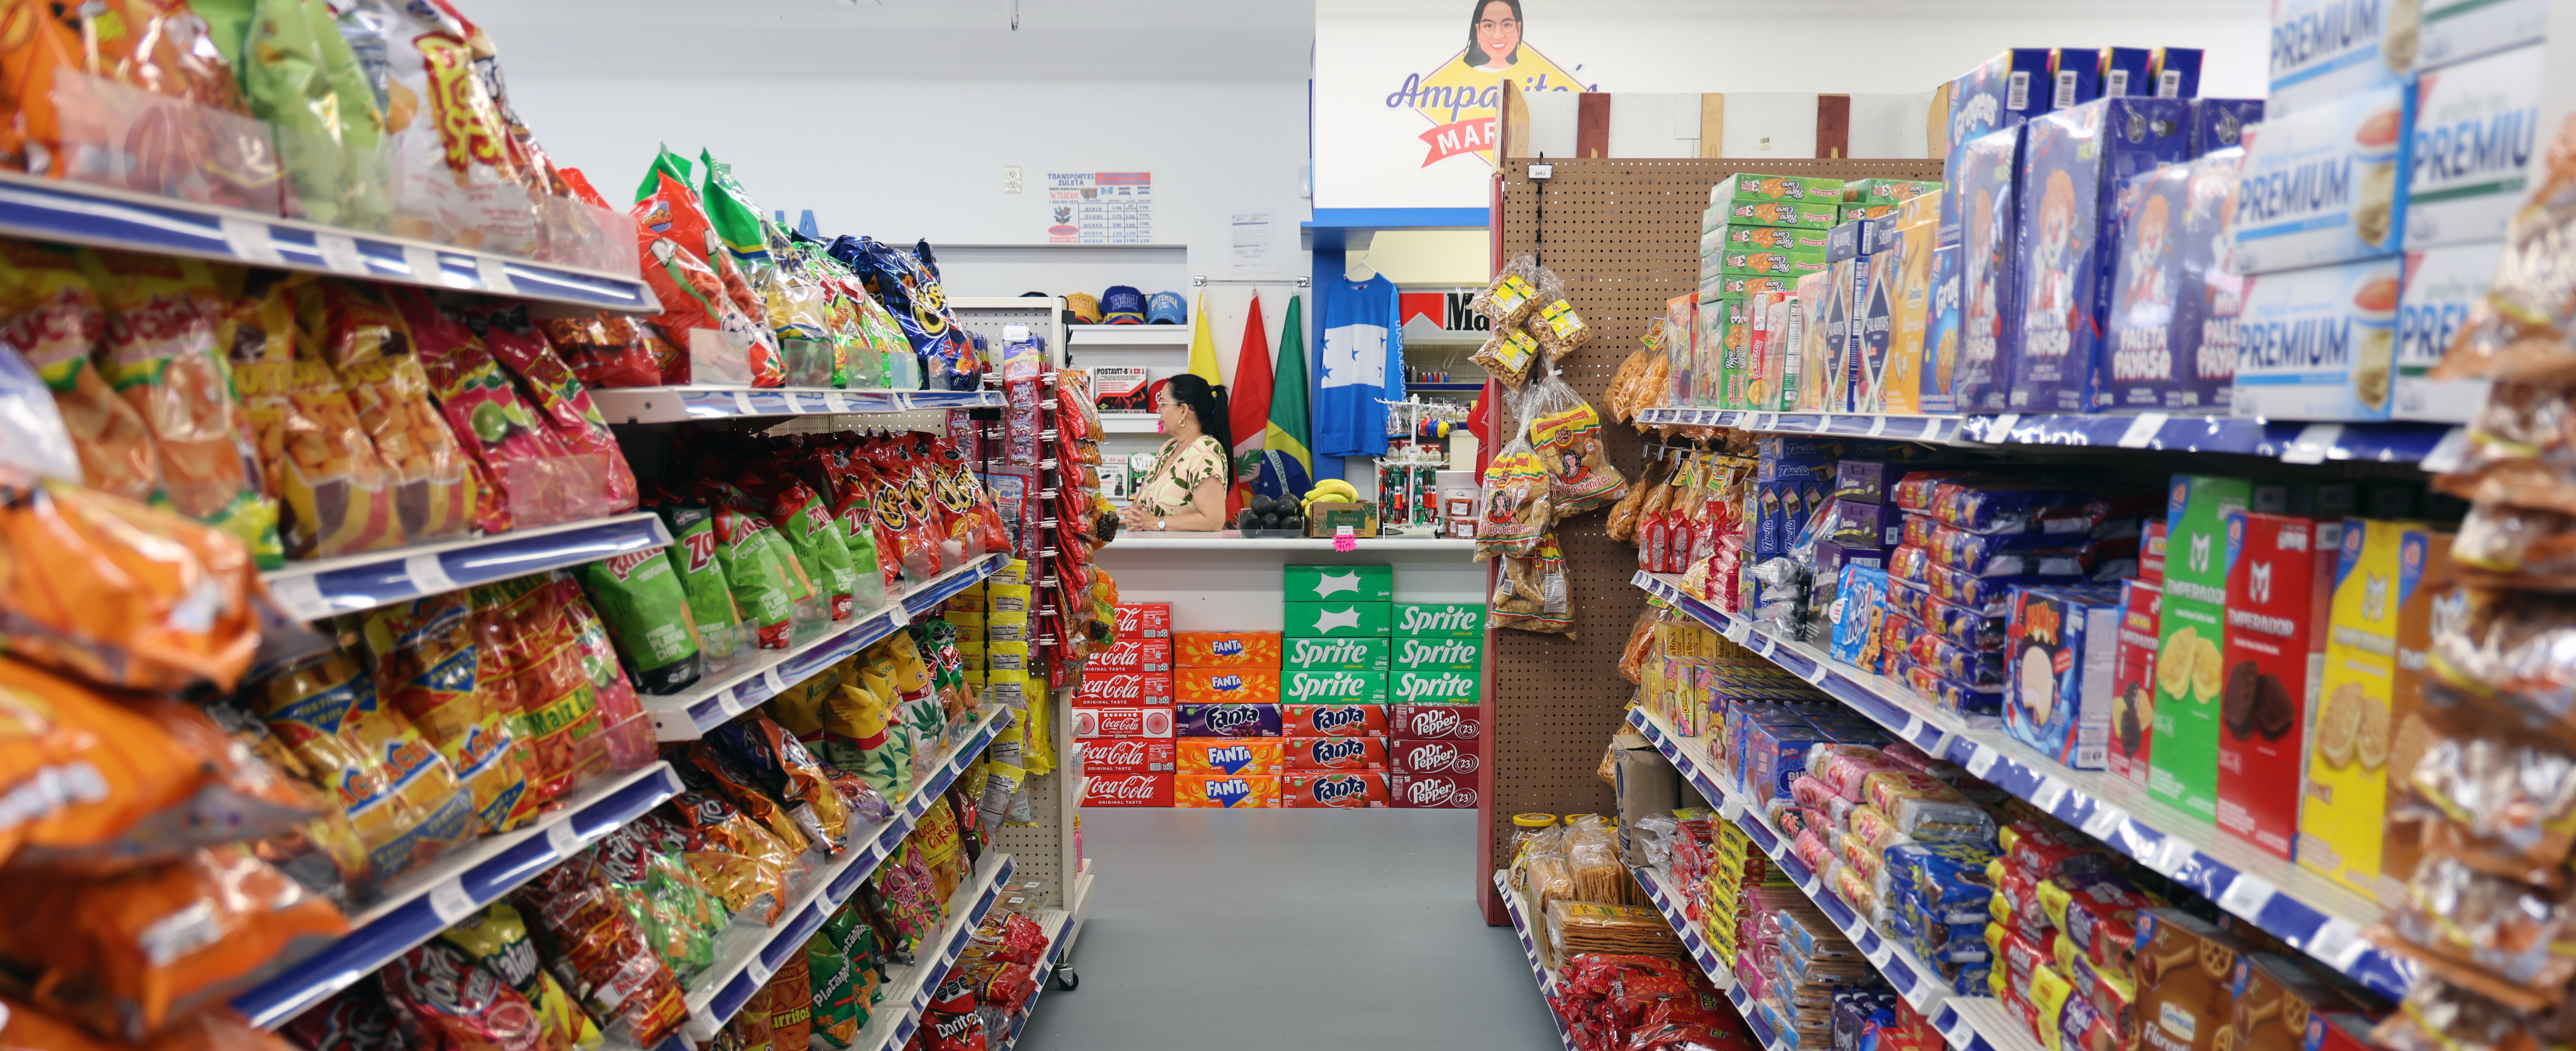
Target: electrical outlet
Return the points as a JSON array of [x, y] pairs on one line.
[[1010, 178]]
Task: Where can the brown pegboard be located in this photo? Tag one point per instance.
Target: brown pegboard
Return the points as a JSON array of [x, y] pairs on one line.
[[1623, 235]]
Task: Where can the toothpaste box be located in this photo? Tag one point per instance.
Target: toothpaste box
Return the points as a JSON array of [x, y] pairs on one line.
[[2325, 184], [1351, 790], [1745, 236], [2320, 343], [1226, 686], [1333, 720], [1449, 620], [2280, 594], [1778, 324], [1226, 649], [1129, 790], [2441, 285], [1364, 583], [1333, 620], [1225, 792], [2133, 682], [1433, 686], [2126, 71], [2218, 124], [1998, 93], [2075, 77], [2076, 164], [1229, 755], [1989, 311], [2211, 296], [2325, 51], [1227, 720], [2177, 72], [2148, 333], [1347, 654], [2060, 652], [1748, 186], [1332, 687], [1740, 285], [1315, 754], [1772, 262], [2459, 30], [2475, 126], [1128, 755]]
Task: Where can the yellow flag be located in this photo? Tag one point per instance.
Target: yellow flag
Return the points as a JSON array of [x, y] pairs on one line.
[[1203, 345]]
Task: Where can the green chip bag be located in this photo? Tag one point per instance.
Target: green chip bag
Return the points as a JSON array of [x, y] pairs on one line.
[[299, 75], [756, 570], [702, 580], [640, 596], [835, 984], [814, 535]]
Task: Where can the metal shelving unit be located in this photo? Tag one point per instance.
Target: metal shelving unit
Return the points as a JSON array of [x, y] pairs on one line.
[[2419, 443], [350, 583]]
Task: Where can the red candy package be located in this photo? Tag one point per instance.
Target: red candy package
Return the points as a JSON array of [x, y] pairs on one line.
[[1340, 791]]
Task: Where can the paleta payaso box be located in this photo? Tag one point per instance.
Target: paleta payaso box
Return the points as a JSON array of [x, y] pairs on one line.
[[1226, 649], [1228, 755], [1349, 790], [1225, 791], [2280, 588]]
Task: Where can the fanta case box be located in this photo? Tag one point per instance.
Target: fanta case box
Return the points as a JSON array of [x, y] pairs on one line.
[[1127, 755], [1227, 720], [1320, 754], [1437, 653], [1307, 583], [1226, 649], [1445, 620], [1432, 791], [1115, 689], [1131, 655], [1144, 620], [1129, 790], [1435, 722], [1225, 686], [1332, 687], [1122, 722], [1225, 791], [1366, 619], [1333, 720], [1408, 686], [1351, 654], [1228, 755], [1461, 758], [1357, 790]]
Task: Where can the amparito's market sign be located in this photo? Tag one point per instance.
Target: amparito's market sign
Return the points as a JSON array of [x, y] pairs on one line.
[[1463, 101]]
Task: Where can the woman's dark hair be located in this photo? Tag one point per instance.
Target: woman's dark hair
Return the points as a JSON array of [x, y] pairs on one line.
[[1207, 402], [1475, 50]]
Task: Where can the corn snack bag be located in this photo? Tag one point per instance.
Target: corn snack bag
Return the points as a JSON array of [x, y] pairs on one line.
[[53, 317], [558, 700], [812, 534], [756, 568], [834, 984], [708, 309], [702, 580], [742, 862], [522, 484], [600, 951], [496, 940], [160, 355], [426, 669], [120, 593], [394, 785], [598, 480]]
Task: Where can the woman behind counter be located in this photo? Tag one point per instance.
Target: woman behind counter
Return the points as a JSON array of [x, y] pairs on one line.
[[1186, 490]]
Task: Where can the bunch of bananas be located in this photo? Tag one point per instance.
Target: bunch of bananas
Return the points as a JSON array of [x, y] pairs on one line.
[[1330, 490]]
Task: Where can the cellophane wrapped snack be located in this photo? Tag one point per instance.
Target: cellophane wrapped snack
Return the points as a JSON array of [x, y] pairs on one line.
[[1566, 434], [499, 943], [599, 951], [458, 174], [598, 481], [709, 310], [122, 594], [1532, 594], [718, 620], [520, 462], [734, 856], [387, 776], [133, 94], [338, 492], [1516, 502], [53, 317], [640, 596], [299, 75], [792, 298], [426, 658], [559, 703]]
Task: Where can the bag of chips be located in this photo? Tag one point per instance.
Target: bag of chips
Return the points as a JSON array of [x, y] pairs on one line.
[[749, 1029], [718, 621], [780, 767], [338, 493], [300, 77], [838, 1012], [598, 481], [53, 317], [911, 909], [357, 1018], [122, 594], [742, 863], [458, 175], [496, 940], [160, 355], [1532, 594], [426, 663], [517, 461], [1518, 508], [604, 350], [625, 739], [598, 952], [812, 534], [791, 1004], [857, 737], [951, 1024], [709, 310], [678, 916], [394, 785], [705, 769], [640, 596], [1566, 435], [558, 699]]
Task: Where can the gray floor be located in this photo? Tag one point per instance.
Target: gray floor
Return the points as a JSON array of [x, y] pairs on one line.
[[1253, 930]]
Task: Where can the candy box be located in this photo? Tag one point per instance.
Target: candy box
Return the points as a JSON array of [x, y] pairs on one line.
[[1328, 620], [2319, 344], [2458, 30], [2148, 336], [2133, 686], [2219, 124], [2075, 164], [2190, 625], [1144, 620], [1432, 792], [1225, 686], [1333, 720], [1315, 754], [2401, 847], [2324, 51], [1347, 654], [1999, 93], [2324, 185], [2075, 77], [2061, 649], [1225, 791], [1226, 649], [1128, 790], [1434, 722], [1364, 583], [1434, 687], [1988, 171], [2126, 71], [2177, 72], [1332, 687], [1438, 654], [1747, 186], [2441, 285], [1137, 655], [1350, 790], [2280, 590], [1227, 720], [1228, 755], [2474, 128], [1423, 757], [2210, 294], [1122, 722], [1127, 755], [1453, 620], [1119, 689], [1911, 305]]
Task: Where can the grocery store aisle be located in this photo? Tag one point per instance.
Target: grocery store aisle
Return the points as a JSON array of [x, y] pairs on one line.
[[1254, 930]]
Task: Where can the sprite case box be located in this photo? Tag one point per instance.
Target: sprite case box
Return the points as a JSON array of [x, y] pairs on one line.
[[1434, 686], [1344, 654], [1338, 583], [1334, 620], [1436, 653], [1451, 620], [1332, 687], [2182, 769]]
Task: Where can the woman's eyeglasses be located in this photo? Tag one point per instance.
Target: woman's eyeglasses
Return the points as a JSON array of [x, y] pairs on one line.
[[1505, 26]]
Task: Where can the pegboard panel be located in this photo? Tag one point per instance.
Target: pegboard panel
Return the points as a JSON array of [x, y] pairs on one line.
[[1623, 235], [1041, 851]]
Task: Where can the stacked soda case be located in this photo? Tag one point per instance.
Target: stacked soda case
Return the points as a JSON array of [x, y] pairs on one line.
[[1123, 712], [1231, 747]]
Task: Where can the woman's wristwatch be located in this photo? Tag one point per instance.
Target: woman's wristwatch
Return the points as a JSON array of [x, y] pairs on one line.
[[1159, 525]]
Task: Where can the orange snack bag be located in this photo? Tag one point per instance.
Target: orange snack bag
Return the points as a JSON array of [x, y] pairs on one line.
[[120, 593], [160, 355], [54, 318], [558, 702], [425, 668], [104, 953], [339, 495], [392, 783], [434, 494]]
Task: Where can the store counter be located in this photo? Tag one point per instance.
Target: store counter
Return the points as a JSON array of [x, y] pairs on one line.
[[1226, 582]]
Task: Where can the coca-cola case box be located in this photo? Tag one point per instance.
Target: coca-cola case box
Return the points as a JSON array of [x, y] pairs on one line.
[[1122, 722], [1228, 720], [1425, 758], [1320, 754], [1226, 686], [1226, 649], [1129, 790], [1119, 756], [1225, 791], [1434, 722], [1144, 620], [1228, 755], [1339, 791], [1131, 655], [1432, 791], [1333, 720], [1108, 689]]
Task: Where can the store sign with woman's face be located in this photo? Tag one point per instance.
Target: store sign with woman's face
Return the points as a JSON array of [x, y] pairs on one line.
[[1463, 96]]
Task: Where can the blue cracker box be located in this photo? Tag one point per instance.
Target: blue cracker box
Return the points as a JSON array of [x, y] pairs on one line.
[[2075, 164], [1852, 239], [2459, 30], [1226, 720], [2326, 184], [2075, 77], [1874, 326], [2210, 294], [1986, 176], [2128, 71], [2218, 124], [2475, 124], [2061, 648], [2324, 51], [1859, 604], [2146, 335], [1775, 754], [1941, 335], [2442, 284], [2321, 343], [1999, 92], [2177, 72]]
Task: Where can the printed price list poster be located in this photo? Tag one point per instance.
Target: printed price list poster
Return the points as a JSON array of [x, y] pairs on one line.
[[1095, 208]]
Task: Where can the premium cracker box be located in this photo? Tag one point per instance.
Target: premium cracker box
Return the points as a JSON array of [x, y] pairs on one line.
[[1989, 333], [1910, 268], [2076, 164], [2191, 627], [1331, 620], [2475, 126], [2280, 587], [2319, 344], [1343, 654], [2430, 598], [2326, 184], [2133, 682], [2148, 365], [2441, 285], [1370, 583], [2345, 801], [2060, 650], [2459, 30], [2324, 51], [1998, 93]]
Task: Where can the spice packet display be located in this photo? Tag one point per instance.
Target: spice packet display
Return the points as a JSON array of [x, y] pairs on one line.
[[497, 943], [158, 352], [426, 661], [596, 945], [711, 312], [123, 594]]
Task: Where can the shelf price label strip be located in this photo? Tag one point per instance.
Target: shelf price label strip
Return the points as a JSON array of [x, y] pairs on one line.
[[359, 582], [2421, 443], [1520, 926], [678, 404]]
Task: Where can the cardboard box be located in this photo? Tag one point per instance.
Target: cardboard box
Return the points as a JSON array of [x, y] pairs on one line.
[[2075, 163], [1909, 267], [1421, 757], [2280, 587], [1772, 262], [1425, 686], [1748, 186], [1124, 689], [1997, 94], [2185, 981], [2275, 997], [1228, 756], [1887, 191], [2474, 127], [1817, 215], [2319, 344], [1808, 374], [1343, 654], [2075, 77], [1226, 649], [1225, 791], [1432, 792], [1144, 620], [1434, 722], [1326, 517], [1438, 620], [2133, 681], [1226, 720], [1726, 285], [2441, 285], [1225, 686], [2324, 185], [1989, 311], [1730, 338], [2211, 297], [1319, 754], [1333, 583], [1129, 790], [1127, 755], [2219, 124], [2327, 50], [1134, 655], [1122, 722], [1777, 326], [2401, 847], [2125, 71], [1332, 687], [2150, 336], [2459, 30], [2063, 652], [1735, 236], [1333, 720], [1351, 790], [2191, 627]]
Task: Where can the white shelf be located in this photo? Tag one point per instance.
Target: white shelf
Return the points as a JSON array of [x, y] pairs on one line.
[[1131, 423], [2290, 441], [1529, 945], [1095, 336], [327, 587], [1234, 540]]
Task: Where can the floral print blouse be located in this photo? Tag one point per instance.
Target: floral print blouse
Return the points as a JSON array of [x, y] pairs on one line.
[[1177, 471]]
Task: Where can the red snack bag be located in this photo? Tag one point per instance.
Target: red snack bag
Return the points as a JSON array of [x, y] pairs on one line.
[[597, 480], [607, 350], [951, 1023], [458, 1006], [558, 703], [588, 932], [518, 459], [709, 311], [913, 541]]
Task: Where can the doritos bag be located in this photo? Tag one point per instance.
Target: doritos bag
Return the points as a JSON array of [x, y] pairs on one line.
[[709, 310]]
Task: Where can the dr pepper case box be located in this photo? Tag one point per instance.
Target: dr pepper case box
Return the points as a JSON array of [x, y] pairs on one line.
[[2280, 591], [1227, 720], [1434, 722], [1460, 654], [1352, 790], [1228, 755], [1225, 686], [1435, 757], [1225, 791], [2182, 770], [1226, 649], [1144, 620], [1335, 620], [1122, 722], [2076, 164], [1407, 686], [1333, 720], [1334, 654], [1117, 689], [1129, 790], [1332, 687], [1321, 754], [1437, 620], [1141, 655], [2133, 681], [1128, 755], [1310, 583], [1432, 791]]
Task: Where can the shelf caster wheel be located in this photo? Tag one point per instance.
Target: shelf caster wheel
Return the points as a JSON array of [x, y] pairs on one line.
[[1066, 980]]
